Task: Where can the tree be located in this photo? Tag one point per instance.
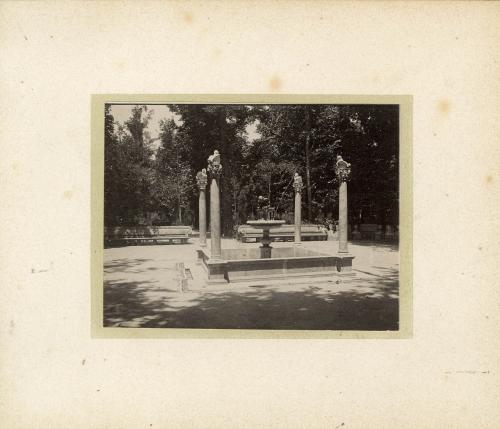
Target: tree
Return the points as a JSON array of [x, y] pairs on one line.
[[173, 175], [375, 182], [311, 136], [204, 128], [291, 138], [128, 169], [290, 129]]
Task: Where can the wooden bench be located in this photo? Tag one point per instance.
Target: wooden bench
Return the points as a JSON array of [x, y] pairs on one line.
[[247, 234], [125, 235]]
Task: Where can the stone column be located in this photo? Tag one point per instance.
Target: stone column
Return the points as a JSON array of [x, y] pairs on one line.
[[201, 179], [215, 170], [297, 186], [343, 171]]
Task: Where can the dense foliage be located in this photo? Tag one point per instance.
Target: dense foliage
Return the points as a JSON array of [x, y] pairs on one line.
[[148, 184]]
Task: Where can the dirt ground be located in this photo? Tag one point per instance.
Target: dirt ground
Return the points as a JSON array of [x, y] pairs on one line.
[[141, 290]]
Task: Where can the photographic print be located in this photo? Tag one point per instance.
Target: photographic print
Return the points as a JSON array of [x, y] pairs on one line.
[[254, 216]]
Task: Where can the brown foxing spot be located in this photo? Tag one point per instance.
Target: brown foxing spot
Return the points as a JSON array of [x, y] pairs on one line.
[[188, 17], [275, 83], [444, 106], [67, 195], [489, 178]]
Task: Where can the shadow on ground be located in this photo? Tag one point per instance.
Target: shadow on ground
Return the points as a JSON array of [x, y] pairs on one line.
[[369, 304], [124, 265], [385, 246]]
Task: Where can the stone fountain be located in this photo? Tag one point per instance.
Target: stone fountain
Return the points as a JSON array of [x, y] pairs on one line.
[[267, 263], [265, 223]]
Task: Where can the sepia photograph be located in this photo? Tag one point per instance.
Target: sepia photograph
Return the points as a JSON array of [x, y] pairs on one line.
[[251, 216]]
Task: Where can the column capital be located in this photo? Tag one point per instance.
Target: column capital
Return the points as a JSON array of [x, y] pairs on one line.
[[201, 179], [297, 183], [342, 170], [215, 171]]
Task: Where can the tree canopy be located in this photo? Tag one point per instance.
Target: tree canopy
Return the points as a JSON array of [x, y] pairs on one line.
[[150, 180]]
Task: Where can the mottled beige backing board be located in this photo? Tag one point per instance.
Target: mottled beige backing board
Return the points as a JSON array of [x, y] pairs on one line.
[[56, 55]]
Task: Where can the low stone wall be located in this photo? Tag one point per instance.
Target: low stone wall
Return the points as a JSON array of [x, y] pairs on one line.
[[240, 265]]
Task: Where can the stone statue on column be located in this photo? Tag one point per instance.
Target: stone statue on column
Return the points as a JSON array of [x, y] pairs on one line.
[[214, 165], [215, 171], [344, 259], [343, 172], [342, 169], [297, 183], [202, 180], [297, 186]]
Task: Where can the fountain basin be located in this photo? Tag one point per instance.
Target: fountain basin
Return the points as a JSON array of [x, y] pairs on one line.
[[240, 265], [265, 226]]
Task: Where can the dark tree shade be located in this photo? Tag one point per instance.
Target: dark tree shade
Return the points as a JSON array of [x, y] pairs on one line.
[[140, 179]]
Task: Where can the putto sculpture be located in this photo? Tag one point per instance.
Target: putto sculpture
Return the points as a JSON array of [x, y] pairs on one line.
[[214, 158], [202, 179], [264, 209], [342, 169], [297, 183], [214, 165]]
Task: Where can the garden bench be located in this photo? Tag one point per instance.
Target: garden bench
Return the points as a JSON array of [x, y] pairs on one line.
[[370, 231], [124, 235]]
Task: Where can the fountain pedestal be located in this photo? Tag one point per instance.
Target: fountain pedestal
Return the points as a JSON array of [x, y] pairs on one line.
[[265, 225]]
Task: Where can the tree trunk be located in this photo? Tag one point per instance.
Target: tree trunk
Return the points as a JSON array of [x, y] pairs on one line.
[[235, 207], [308, 166], [180, 211], [269, 190]]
